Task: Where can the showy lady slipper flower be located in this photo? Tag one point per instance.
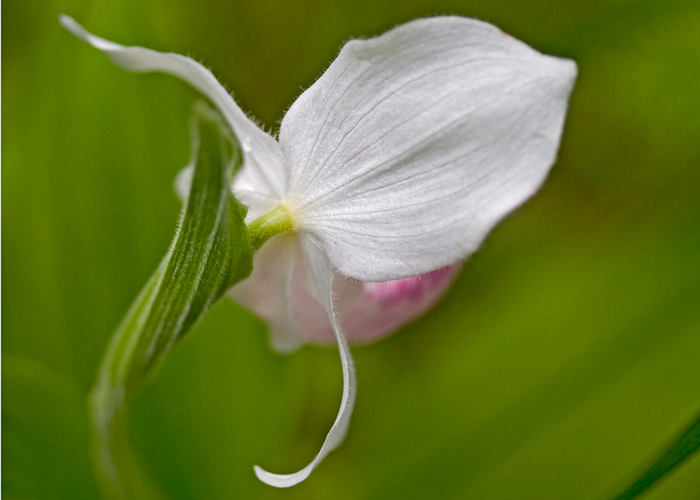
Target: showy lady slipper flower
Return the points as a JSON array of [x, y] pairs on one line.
[[394, 165]]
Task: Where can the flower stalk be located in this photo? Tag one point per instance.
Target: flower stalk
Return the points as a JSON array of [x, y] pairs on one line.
[[211, 252], [278, 220]]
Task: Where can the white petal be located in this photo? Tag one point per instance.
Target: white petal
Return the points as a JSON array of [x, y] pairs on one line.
[[414, 145], [263, 158], [266, 291], [323, 273]]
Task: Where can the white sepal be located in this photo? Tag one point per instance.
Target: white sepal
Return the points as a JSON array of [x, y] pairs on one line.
[[413, 145], [264, 165]]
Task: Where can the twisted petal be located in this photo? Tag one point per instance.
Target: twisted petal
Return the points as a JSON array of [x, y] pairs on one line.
[[413, 145], [263, 158], [323, 276]]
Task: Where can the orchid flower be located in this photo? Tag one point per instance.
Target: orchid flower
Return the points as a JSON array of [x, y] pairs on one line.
[[388, 173]]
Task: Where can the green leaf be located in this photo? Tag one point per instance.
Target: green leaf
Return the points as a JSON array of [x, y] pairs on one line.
[[686, 444], [211, 252]]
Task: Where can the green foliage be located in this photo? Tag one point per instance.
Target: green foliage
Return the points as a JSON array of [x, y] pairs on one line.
[[687, 444], [562, 365]]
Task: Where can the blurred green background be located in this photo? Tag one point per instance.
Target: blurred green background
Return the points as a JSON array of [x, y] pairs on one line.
[[564, 361]]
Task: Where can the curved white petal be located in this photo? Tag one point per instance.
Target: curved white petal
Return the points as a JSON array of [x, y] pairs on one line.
[[414, 145], [266, 291], [323, 274], [263, 158]]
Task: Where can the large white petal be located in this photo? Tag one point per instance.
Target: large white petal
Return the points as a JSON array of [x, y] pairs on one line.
[[263, 158], [323, 274], [413, 145]]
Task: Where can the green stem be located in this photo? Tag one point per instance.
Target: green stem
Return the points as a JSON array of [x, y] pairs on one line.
[[119, 471], [211, 253], [116, 465], [278, 220]]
